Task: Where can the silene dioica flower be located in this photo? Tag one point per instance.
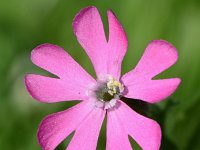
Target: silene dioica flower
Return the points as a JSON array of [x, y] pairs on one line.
[[102, 96]]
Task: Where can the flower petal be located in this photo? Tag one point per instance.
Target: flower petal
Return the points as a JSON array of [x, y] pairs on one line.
[[57, 61], [105, 56], [86, 135], [56, 127], [89, 31], [151, 91], [144, 131], [117, 138], [158, 56], [46, 89], [117, 45], [73, 82]]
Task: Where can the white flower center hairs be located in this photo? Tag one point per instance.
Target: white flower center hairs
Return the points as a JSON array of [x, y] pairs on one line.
[[106, 92]]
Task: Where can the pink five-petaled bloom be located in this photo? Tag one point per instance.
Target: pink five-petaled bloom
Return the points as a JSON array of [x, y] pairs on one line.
[[102, 96]]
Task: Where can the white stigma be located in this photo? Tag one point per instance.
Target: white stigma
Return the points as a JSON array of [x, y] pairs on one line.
[[106, 92]]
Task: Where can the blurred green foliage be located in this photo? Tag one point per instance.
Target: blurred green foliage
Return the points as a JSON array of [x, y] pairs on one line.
[[25, 24]]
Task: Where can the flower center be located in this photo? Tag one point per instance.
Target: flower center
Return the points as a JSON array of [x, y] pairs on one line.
[[106, 92], [109, 90]]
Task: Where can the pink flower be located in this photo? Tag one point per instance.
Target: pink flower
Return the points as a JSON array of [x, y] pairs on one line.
[[102, 96]]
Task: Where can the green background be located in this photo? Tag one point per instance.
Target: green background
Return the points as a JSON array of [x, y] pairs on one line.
[[24, 24]]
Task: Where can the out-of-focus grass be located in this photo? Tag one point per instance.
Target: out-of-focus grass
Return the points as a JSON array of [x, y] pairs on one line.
[[25, 24]]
